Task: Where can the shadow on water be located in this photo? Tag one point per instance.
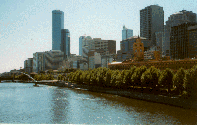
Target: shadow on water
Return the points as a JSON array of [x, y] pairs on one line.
[[148, 110]]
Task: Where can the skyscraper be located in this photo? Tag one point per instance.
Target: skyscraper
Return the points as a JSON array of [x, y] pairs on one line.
[[80, 44], [175, 20], [126, 33], [151, 21], [65, 42], [57, 25]]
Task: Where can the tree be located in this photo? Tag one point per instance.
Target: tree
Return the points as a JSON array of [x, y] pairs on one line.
[[178, 80], [166, 79], [128, 81], [136, 77], [150, 77], [190, 82]]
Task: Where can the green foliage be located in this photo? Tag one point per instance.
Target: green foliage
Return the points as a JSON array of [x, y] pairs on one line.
[[166, 79], [178, 80], [136, 77], [150, 77], [108, 78], [190, 82]]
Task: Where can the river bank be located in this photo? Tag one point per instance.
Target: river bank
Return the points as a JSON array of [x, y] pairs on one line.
[[173, 101]]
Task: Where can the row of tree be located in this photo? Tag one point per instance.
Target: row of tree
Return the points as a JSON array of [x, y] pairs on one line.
[[183, 81]]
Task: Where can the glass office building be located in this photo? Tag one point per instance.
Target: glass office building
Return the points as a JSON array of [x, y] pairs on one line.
[[126, 33], [57, 25], [65, 42]]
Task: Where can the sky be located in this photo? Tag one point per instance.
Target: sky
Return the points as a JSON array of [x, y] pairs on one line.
[[26, 25]]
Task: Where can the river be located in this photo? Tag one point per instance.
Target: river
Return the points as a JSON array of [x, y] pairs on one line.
[[22, 103]]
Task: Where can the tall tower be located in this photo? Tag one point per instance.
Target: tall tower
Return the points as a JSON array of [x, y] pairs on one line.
[[80, 44], [65, 42], [151, 21], [57, 25], [126, 33]]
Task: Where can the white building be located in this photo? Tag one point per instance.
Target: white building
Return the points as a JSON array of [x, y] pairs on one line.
[[95, 61]]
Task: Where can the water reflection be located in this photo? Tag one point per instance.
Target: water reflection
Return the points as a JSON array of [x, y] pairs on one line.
[[147, 112]]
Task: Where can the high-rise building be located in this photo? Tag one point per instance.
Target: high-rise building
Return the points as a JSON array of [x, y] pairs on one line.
[[126, 33], [65, 42], [57, 25], [175, 20], [80, 44], [151, 21], [192, 36], [179, 42], [28, 65]]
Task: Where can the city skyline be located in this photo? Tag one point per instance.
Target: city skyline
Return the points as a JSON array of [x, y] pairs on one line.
[[25, 27]]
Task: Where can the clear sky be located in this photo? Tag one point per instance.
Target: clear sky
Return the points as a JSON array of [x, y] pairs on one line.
[[26, 25]]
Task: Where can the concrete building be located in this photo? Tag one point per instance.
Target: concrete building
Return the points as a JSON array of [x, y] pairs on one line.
[[175, 20], [126, 33], [103, 47], [57, 26], [151, 21], [94, 60], [105, 59], [28, 65], [179, 45], [65, 42]]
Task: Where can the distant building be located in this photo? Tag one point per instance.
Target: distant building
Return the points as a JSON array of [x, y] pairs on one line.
[[57, 26], [28, 65], [126, 47], [179, 45], [103, 47], [65, 42], [138, 49], [151, 21], [105, 59], [80, 44], [126, 33], [38, 62], [175, 20], [159, 41], [47, 60], [161, 64], [192, 39]]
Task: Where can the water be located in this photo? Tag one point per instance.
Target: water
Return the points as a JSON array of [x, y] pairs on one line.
[[23, 103]]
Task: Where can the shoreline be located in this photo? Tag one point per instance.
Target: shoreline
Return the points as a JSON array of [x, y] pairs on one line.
[[173, 101]]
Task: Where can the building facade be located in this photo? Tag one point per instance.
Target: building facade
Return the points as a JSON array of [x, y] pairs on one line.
[[28, 65], [138, 49], [57, 26], [65, 42], [175, 20], [126, 33], [47, 60], [179, 45], [192, 39], [80, 44], [126, 47], [151, 21], [162, 65]]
